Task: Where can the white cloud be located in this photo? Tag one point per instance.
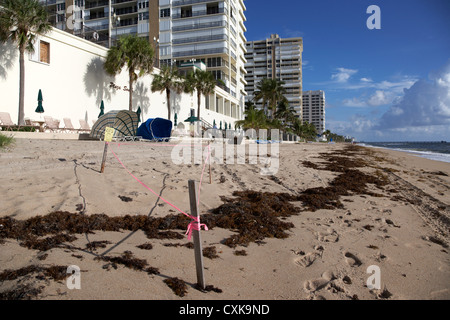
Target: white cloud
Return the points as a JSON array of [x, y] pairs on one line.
[[380, 98], [425, 103], [366, 80], [343, 75]]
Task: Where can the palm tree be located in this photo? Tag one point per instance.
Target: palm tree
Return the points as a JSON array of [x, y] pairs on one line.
[[285, 112], [136, 54], [254, 118], [20, 22], [167, 80], [203, 82], [270, 91]]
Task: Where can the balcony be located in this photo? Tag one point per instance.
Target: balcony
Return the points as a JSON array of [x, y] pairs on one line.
[[191, 14], [205, 25], [199, 52], [200, 39], [188, 2]]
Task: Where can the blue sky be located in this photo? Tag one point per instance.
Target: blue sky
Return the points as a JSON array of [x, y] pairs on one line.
[[388, 84]]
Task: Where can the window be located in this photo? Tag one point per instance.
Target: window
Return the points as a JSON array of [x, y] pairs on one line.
[[164, 13], [41, 52], [186, 12], [212, 8]]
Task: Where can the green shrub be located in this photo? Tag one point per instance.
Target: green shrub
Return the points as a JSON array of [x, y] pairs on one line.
[[5, 140]]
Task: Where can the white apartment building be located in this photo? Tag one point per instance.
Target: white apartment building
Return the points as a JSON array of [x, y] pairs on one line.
[[89, 18], [212, 32], [276, 58], [314, 109], [183, 32]]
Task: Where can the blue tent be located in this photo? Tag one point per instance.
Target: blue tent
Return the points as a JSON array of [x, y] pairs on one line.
[[155, 129]]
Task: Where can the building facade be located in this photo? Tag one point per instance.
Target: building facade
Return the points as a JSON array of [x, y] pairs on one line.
[[89, 19], [276, 58], [69, 71], [182, 32], [211, 32], [314, 109]]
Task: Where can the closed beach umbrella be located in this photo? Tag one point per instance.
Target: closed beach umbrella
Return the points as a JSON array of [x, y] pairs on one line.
[[102, 109], [139, 114], [220, 125], [175, 122], [40, 108]]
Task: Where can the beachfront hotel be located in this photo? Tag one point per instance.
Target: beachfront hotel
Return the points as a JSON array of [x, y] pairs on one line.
[[207, 34], [314, 109], [276, 58]]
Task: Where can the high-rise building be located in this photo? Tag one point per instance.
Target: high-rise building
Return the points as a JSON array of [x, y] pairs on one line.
[[314, 109], [276, 58], [89, 19], [185, 33], [211, 32]]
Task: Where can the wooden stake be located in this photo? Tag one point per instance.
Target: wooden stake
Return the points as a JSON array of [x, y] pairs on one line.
[[210, 177], [105, 151], [196, 234]]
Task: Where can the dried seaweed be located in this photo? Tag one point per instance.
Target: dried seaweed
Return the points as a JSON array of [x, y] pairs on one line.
[[207, 288], [240, 253], [94, 245], [47, 243], [55, 272], [210, 252], [178, 286], [125, 198], [21, 292], [145, 246], [254, 215], [127, 260]]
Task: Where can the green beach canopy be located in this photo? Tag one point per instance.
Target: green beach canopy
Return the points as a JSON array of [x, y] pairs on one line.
[[124, 122]]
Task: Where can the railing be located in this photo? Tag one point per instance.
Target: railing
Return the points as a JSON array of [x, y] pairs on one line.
[[198, 13], [205, 25], [188, 2], [200, 39], [198, 52]]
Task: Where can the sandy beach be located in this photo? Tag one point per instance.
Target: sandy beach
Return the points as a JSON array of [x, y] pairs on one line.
[[329, 213]]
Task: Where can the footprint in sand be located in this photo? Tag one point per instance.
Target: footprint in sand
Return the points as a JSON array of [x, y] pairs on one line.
[[320, 283], [352, 260], [306, 260], [328, 236]]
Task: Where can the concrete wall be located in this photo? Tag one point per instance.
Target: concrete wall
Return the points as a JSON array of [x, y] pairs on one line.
[[74, 83]]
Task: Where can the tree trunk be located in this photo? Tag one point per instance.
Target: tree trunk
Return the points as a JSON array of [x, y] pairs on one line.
[[21, 115], [199, 102], [130, 101], [168, 104]]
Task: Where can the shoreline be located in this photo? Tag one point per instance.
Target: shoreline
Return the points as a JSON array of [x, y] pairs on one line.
[[430, 155], [385, 216]]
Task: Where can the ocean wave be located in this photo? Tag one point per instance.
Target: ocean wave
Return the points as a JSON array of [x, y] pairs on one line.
[[443, 157]]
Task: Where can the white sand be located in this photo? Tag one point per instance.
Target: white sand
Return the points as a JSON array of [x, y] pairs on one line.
[[326, 254]]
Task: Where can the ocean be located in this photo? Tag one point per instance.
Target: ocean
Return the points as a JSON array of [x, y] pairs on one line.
[[438, 150]]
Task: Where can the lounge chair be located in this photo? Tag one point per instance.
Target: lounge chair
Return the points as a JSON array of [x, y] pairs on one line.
[[51, 124], [6, 122], [84, 126], [68, 126]]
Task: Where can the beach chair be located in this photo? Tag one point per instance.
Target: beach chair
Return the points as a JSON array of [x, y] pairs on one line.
[[84, 126], [30, 123], [68, 126], [6, 122], [51, 124]]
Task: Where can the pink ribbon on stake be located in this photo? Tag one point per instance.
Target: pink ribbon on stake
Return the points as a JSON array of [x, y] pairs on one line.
[[193, 225]]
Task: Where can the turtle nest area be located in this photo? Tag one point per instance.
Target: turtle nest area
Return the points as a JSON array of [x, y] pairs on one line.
[[252, 215]]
